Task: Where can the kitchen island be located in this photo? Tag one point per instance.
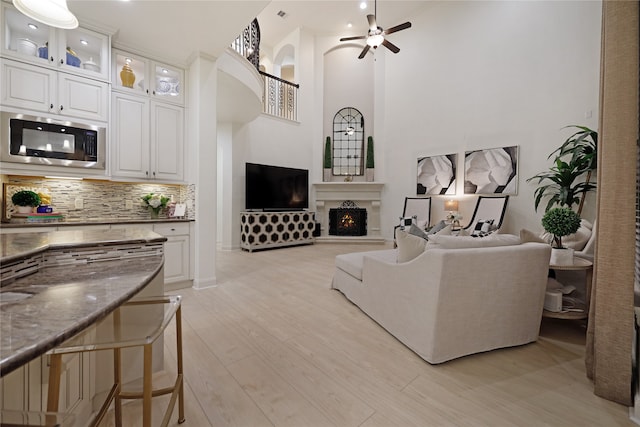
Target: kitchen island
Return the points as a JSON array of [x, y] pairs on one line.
[[56, 284]]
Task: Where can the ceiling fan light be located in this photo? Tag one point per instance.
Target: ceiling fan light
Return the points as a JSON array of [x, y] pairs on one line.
[[375, 40], [54, 13]]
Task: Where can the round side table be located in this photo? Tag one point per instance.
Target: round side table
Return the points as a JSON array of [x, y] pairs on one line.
[[578, 265]]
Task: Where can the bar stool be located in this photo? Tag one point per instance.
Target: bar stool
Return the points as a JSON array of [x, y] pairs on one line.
[[137, 323]]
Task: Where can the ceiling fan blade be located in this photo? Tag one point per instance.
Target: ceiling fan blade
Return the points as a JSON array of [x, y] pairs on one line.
[[372, 22], [398, 28], [346, 39], [364, 52], [392, 47]]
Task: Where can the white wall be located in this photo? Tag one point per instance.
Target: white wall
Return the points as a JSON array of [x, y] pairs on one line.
[[348, 83], [470, 75], [278, 142], [473, 75]]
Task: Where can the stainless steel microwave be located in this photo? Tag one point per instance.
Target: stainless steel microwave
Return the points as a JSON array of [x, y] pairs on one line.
[[46, 141]]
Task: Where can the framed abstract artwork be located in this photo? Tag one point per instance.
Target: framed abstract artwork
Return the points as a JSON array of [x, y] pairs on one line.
[[437, 174], [491, 171]]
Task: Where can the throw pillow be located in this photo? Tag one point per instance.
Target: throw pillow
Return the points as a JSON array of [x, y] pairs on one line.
[[445, 231], [416, 231], [407, 220], [461, 242], [463, 232], [578, 240], [530, 236], [439, 226], [483, 228], [409, 246]]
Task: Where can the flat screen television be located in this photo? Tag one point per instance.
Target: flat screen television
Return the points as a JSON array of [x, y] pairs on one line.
[[276, 188]]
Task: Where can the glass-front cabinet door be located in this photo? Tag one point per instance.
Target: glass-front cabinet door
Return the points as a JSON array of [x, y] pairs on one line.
[[79, 51], [139, 75], [129, 73], [168, 83]]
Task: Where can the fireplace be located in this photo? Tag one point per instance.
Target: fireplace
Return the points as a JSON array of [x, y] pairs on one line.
[[348, 220]]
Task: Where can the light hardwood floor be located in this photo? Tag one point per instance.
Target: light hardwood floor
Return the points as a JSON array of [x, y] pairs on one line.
[[273, 345]]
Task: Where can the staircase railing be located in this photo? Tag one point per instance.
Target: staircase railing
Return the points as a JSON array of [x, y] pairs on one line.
[[247, 43], [280, 97]]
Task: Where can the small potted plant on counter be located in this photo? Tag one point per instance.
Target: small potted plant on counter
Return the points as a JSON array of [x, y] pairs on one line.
[[561, 222], [25, 200]]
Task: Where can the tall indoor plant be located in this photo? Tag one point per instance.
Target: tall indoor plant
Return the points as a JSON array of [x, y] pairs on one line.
[[561, 184]]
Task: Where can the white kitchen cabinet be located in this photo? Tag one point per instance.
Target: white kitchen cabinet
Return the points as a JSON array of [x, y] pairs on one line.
[[177, 252], [79, 51], [147, 139], [157, 80], [36, 88], [167, 141], [25, 389]]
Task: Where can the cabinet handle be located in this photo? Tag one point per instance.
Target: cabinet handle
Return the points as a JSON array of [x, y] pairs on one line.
[[51, 107], [154, 92], [154, 174], [52, 59], [173, 229], [147, 91], [61, 108], [146, 173], [62, 61]]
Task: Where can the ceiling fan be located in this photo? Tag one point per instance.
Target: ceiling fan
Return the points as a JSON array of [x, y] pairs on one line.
[[376, 35]]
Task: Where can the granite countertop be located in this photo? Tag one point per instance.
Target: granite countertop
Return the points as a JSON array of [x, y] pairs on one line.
[[93, 221], [63, 300], [20, 245]]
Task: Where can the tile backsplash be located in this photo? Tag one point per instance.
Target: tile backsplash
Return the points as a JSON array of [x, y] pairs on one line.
[[99, 199]]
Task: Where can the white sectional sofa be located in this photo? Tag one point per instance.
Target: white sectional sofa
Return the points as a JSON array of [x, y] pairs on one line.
[[452, 301]]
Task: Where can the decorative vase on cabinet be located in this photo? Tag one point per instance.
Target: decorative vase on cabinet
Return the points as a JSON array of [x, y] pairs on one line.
[[127, 76]]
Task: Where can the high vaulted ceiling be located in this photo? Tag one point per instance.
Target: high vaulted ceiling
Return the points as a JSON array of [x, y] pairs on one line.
[[174, 29]]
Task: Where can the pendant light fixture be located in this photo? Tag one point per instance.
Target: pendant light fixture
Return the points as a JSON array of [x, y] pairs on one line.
[[54, 13]]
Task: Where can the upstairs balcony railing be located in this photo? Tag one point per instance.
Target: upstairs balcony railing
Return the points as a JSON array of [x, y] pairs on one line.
[[280, 97]]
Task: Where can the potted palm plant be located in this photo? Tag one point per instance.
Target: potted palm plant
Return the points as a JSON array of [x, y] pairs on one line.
[[562, 184], [560, 222]]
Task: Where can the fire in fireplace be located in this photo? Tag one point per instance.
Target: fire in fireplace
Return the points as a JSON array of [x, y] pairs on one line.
[[348, 220]]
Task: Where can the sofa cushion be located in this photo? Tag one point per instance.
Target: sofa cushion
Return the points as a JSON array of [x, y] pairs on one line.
[[352, 263], [409, 246], [530, 236], [460, 242]]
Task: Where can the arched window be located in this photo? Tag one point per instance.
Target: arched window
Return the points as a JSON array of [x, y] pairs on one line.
[[348, 142]]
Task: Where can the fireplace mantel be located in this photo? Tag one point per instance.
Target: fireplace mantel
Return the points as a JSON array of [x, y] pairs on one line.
[[365, 194]]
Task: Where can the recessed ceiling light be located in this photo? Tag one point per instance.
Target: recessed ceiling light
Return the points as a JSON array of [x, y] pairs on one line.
[[363, 5], [127, 60], [165, 71], [349, 25], [32, 26], [84, 42]]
